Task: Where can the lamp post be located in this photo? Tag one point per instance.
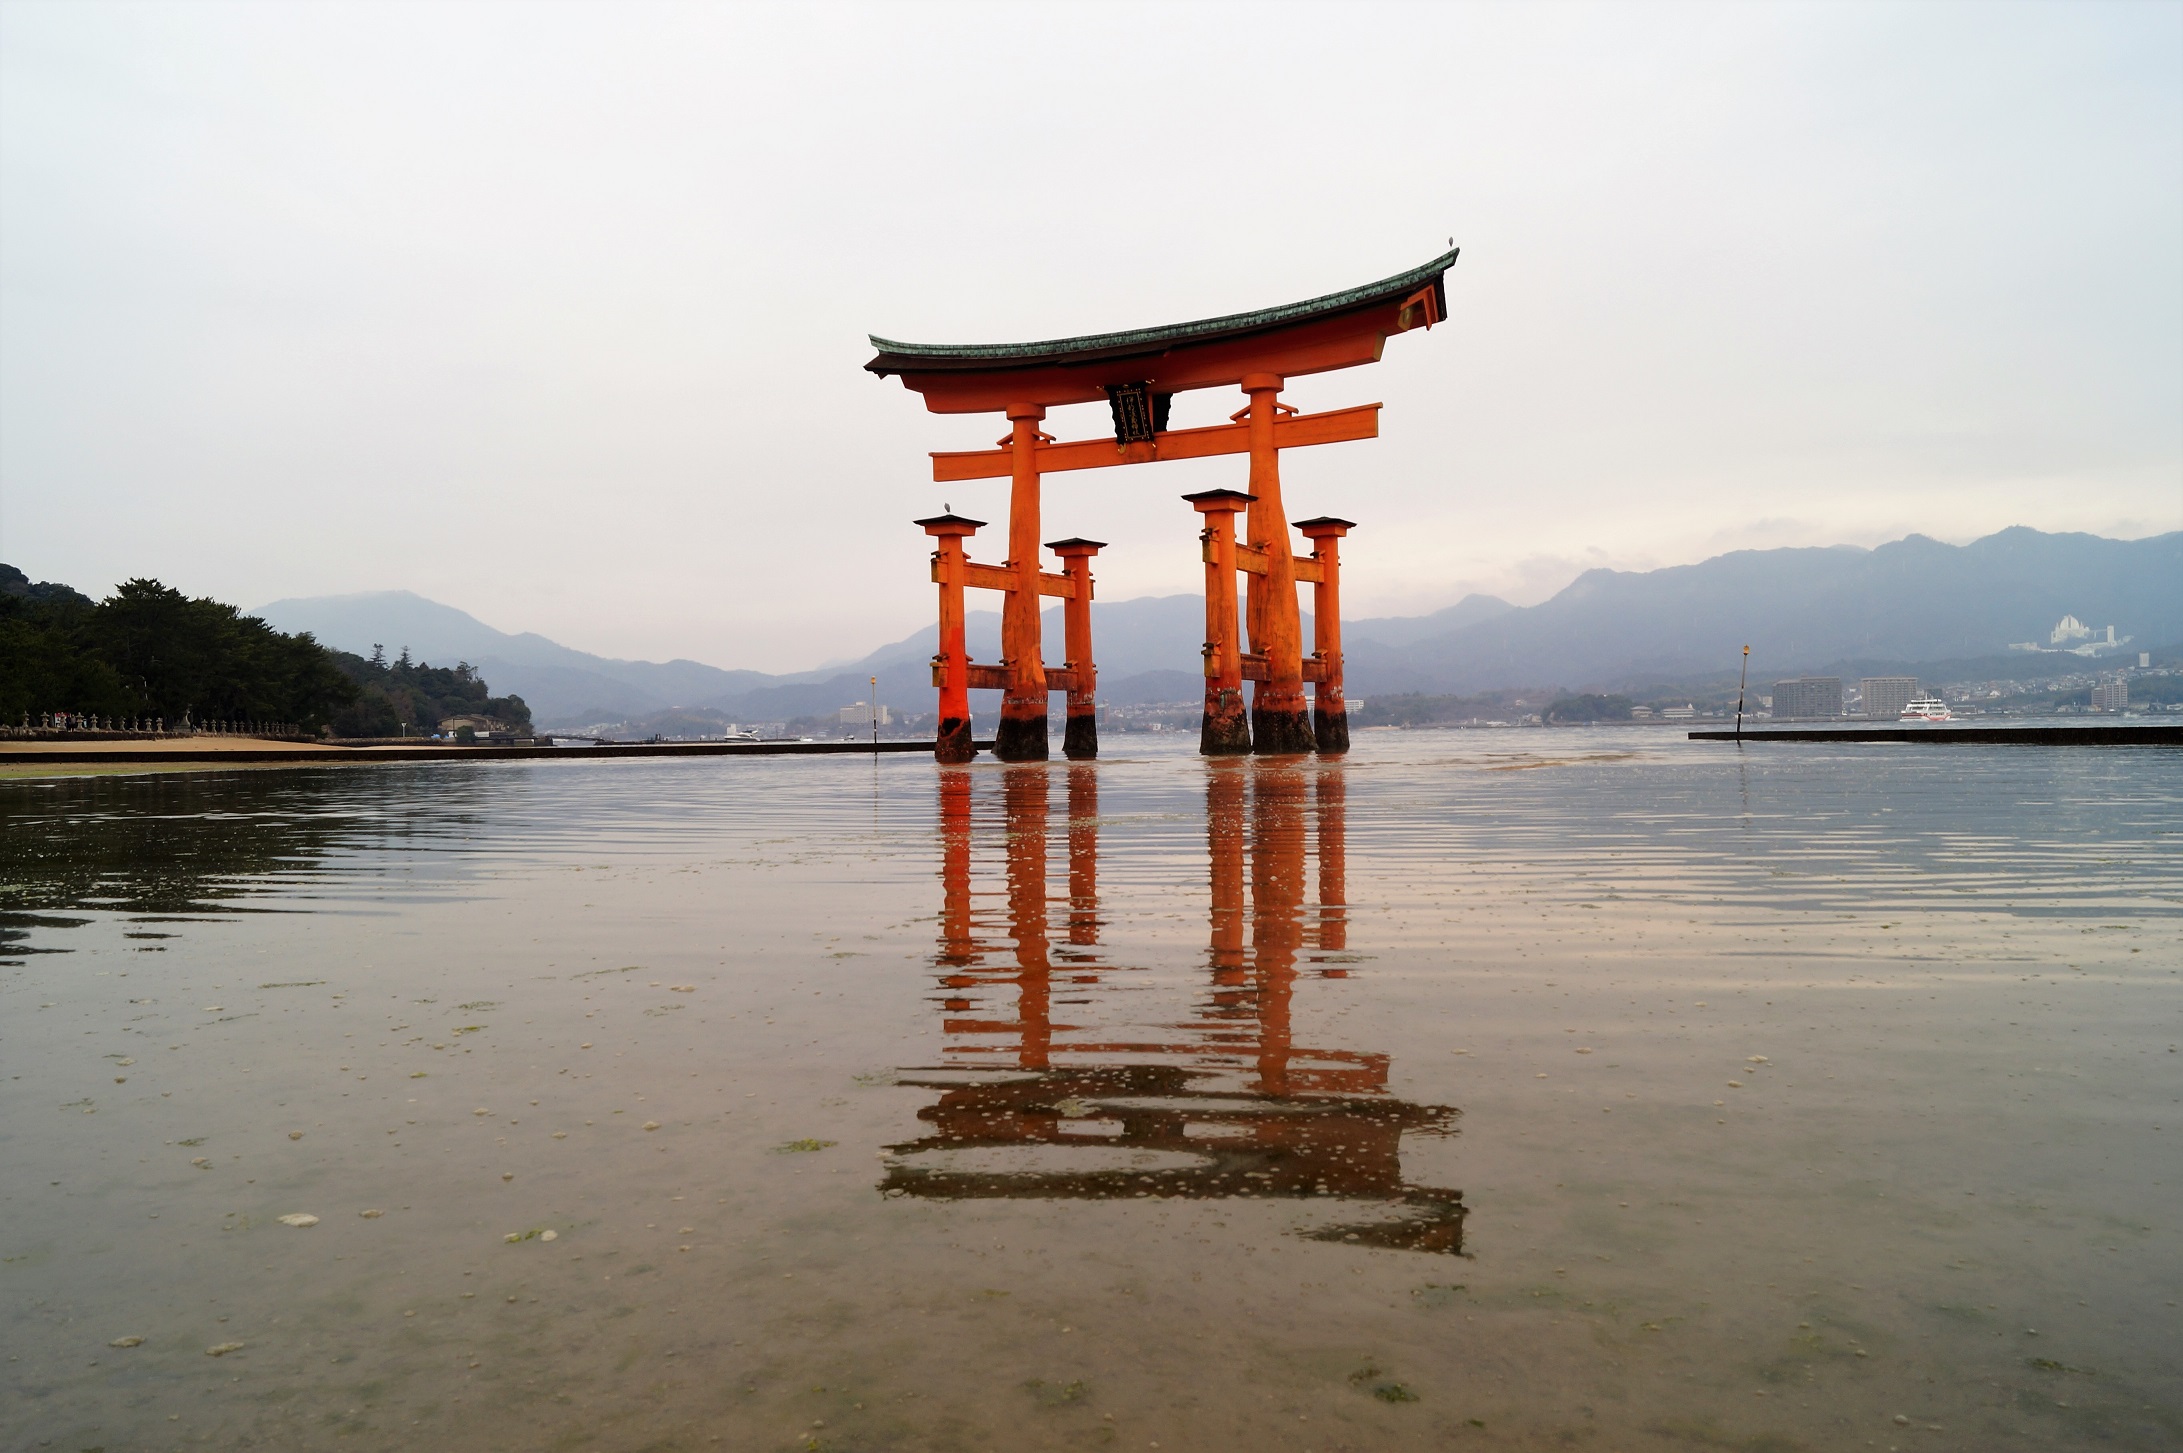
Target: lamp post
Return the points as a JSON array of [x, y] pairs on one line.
[[875, 713], [1741, 678]]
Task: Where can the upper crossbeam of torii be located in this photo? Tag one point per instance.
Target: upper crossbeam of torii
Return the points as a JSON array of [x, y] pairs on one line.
[[1138, 373]]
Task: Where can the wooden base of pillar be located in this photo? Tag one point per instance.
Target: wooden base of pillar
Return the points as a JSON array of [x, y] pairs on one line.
[[1330, 726], [1280, 722], [1225, 730], [955, 745], [1021, 737], [1080, 739]]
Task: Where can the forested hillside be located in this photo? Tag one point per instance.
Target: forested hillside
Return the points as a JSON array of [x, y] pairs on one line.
[[149, 651], [410, 696]]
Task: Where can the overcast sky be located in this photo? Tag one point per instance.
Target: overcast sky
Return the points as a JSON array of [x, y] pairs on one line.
[[557, 312]]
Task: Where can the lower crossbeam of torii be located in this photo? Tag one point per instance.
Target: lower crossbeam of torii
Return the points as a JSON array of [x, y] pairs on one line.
[[1138, 374]]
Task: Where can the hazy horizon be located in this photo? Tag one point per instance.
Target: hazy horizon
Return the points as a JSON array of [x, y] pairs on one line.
[[283, 615], [558, 316]]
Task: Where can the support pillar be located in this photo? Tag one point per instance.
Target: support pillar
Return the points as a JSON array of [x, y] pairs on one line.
[[1224, 730], [1080, 740], [951, 665], [1279, 720], [1329, 710], [1022, 733]]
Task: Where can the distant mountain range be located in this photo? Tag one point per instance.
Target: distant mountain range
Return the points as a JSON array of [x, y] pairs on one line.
[[1912, 601]]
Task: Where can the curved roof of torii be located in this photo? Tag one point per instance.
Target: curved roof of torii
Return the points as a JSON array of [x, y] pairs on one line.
[[1087, 362]]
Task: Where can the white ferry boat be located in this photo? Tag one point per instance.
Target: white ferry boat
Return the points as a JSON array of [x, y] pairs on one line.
[[1927, 708]]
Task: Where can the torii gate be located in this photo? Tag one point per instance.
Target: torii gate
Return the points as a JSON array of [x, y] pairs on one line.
[[1138, 374]]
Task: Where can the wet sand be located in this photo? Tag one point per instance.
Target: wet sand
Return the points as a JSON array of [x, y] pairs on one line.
[[25, 758], [46, 747], [1618, 1098]]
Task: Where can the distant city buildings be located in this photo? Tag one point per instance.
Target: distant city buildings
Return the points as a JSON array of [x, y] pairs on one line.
[[863, 714], [2111, 695], [2075, 637], [1808, 698], [1886, 696]]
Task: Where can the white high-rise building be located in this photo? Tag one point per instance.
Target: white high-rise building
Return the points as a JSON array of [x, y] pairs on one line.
[[1886, 696]]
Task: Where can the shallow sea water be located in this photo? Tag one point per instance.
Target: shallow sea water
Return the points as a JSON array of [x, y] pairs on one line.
[[1588, 1089]]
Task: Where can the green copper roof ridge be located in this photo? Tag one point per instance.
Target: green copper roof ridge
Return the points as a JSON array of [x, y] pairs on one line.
[[1175, 332]]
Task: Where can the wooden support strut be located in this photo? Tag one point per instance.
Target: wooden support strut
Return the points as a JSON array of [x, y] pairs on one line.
[[1329, 709], [1001, 577], [1224, 730], [1253, 561], [951, 669], [1080, 735]]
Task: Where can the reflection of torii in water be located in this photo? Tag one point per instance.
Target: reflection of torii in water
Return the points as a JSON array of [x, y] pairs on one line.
[[1233, 1108]]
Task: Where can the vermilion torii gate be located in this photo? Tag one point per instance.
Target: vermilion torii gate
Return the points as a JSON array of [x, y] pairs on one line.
[[1138, 374]]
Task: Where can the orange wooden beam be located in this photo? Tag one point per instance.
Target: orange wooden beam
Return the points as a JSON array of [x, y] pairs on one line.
[[1293, 431], [1252, 561], [996, 577], [983, 677], [1255, 668]]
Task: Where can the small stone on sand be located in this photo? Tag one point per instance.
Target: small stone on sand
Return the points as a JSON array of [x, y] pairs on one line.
[[221, 1349], [549, 1236], [651, 1125], [126, 1342], [295, 1135], [371, 1215], [298, 1219]]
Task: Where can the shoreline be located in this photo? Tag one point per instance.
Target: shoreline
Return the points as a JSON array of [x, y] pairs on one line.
[[2146, 734], [36, 759]]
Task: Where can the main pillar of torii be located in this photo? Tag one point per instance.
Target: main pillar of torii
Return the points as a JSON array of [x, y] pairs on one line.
[[1137, 374]]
